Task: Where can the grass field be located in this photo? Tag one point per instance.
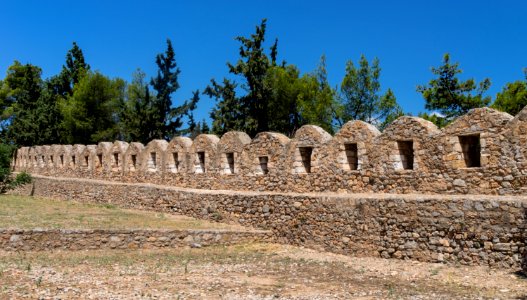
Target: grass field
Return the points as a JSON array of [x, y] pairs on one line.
[[28, 213]]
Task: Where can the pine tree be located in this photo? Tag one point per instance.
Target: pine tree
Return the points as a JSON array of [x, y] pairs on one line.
[[168, 119], [72, 72], [91, 114], [513, 97], [249, 112], [360, 95], [451, 96], [229, 113], [30, 111]]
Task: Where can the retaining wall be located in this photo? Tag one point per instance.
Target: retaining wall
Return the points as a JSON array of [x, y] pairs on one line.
[[52, 239], [468, 229]]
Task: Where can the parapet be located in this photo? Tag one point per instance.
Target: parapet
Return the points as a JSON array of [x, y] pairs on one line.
[[131, 162], [152, 158], [482, 152], [264, 154], [204, 153], [177, 156], [230, 148], [304, 151]]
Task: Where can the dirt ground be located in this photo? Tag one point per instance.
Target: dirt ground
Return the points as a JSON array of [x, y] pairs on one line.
[[249, 271]]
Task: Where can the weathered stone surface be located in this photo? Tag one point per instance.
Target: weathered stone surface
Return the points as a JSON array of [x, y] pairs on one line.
[[468, 229], [41, 240], [481, 154], [410, 156]]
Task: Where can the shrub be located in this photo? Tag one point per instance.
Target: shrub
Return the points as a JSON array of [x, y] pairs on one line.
[[6, 179]]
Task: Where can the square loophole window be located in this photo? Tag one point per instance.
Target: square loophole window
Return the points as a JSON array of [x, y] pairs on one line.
[[471, 150], [305, 156], [352, 156], [406, 154], [263, 163]]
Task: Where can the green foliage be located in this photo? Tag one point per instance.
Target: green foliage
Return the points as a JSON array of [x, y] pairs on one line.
[[72, 73], [390, 108], [285, 86], [30, 110], [229, 113], [249, 112], [22, 178], [513, 97], [91, 113], [204, 127], [317, 103], [360, 95], [253, 66], [6, 180], [138, 112], [277, 98], [451, 96], [434, 118], [6, 153], [168, 119]]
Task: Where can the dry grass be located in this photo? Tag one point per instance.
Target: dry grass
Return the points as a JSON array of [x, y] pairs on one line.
[[249, 271], [28, 213]]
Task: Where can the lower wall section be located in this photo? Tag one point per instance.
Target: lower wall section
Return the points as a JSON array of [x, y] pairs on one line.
[[38, 240], [468, 229]]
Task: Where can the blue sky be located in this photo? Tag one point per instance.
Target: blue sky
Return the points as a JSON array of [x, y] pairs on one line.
[[488, 38]]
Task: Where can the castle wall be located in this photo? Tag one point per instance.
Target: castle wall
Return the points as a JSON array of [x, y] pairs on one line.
[[482, 152]]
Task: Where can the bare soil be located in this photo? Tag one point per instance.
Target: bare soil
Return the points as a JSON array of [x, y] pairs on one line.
[[249, 271]]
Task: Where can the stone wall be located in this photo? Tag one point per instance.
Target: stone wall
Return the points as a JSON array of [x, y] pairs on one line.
[[482, 152], [52, 239], [467, 229]]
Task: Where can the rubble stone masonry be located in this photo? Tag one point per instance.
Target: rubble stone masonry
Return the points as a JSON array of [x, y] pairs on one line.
[[412, 191]]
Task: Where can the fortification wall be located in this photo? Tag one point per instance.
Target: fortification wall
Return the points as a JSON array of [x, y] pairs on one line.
[[482, 152], [467, 229]]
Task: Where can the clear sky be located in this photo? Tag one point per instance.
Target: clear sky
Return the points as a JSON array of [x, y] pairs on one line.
[[487, 38]]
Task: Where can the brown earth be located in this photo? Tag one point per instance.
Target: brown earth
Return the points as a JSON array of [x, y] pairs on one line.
[[249, 271]]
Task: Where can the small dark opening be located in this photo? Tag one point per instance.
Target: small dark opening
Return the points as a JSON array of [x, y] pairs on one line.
[[230, 162], [264, 160], [51, 159], [201, 158], [352, 156], [471, 148], [86, 161], [134, 159], [116, 159], [175, 157], [61, 160], [153, 163], [406, 152], [73, 160], [99, 159], [305, 154]]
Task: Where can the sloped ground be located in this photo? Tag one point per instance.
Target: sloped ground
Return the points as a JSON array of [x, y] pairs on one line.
[[249, 271], [22, 212], [243, 271]]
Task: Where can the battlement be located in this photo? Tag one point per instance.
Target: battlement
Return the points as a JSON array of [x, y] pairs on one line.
[[482, 152]]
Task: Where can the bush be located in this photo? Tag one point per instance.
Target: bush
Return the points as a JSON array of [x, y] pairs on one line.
[[22, 178], [6, 179]]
